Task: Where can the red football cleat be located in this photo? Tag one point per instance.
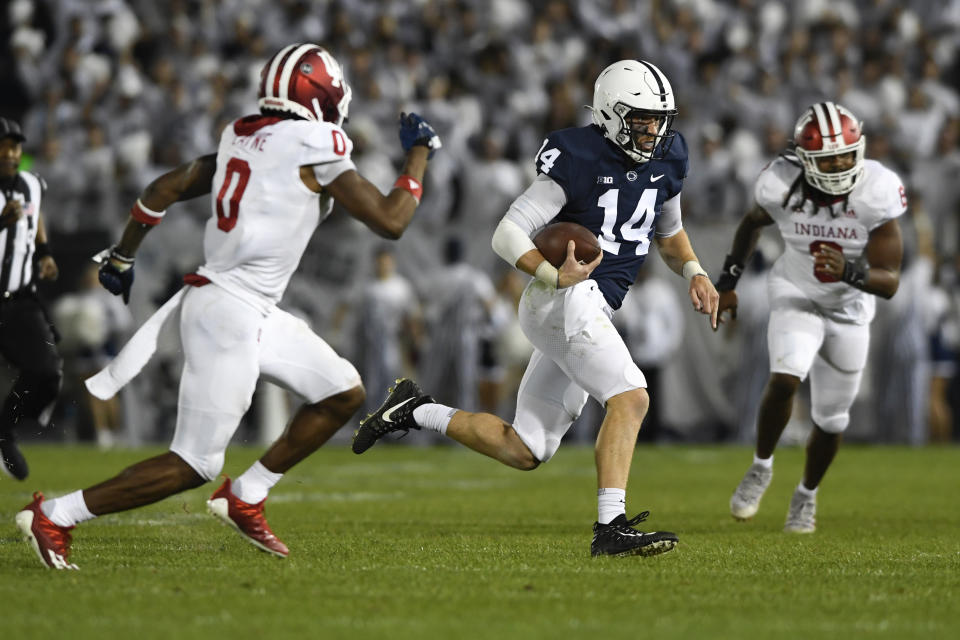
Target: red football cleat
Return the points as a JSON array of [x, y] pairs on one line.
[[49, 540], [247, 519]]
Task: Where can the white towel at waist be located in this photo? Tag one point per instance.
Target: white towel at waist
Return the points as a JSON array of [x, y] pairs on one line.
[[135, 354]]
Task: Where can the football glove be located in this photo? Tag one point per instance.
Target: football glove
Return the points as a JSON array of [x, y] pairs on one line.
[[116, 273], [417, 132]]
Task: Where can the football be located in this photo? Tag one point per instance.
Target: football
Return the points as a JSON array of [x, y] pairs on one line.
[[552, 242]]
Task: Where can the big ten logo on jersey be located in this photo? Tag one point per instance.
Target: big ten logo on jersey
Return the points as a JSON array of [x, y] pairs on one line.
[[252, 143]]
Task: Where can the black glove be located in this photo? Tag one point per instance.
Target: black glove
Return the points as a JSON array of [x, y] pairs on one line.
[[116, 273], [415, 131]]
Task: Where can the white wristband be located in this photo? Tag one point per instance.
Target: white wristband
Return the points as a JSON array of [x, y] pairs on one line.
[[692, 268], [547, 274]]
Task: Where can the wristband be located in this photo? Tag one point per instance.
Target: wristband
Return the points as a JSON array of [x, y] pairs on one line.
[[119, 261], [692, 268], [410, 185], [42, 250], [548, 274], [732, 270], [146, 216], [855, 272]]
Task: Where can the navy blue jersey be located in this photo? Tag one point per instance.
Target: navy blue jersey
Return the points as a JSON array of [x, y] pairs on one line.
[[618, 200]]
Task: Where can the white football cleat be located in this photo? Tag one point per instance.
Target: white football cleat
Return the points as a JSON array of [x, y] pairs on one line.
[[746, 499], [801, 517]]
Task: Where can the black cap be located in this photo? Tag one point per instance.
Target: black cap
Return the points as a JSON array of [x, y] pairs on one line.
[[10, 129]]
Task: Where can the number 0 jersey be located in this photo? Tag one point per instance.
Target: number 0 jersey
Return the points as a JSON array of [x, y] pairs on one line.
[[616, 199], [263, 214], [877, 197]]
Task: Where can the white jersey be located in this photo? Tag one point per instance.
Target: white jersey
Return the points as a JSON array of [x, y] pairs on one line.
[[263, 214], [877, 197]]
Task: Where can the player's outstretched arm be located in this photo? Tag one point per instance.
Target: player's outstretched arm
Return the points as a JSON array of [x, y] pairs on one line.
[[183, 183], [389, 215], [744, 243], [877, 271], [678, 254], [187, 181]]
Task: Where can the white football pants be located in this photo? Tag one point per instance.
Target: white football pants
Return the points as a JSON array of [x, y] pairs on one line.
[[227, 345]]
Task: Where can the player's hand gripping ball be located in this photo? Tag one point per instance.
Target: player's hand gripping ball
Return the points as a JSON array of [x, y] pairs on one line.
[[552, 242]]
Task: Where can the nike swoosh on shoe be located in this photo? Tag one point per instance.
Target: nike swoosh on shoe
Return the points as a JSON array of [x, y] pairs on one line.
[[389, 412]]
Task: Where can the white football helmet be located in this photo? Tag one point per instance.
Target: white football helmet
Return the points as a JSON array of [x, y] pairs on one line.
[[634, 88], [827, 129]]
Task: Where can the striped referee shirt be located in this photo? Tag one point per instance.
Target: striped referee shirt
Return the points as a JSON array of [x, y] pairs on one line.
[[17, 242]]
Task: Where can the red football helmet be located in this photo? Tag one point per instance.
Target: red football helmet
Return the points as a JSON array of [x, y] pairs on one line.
[[305, 80], [827, 129]]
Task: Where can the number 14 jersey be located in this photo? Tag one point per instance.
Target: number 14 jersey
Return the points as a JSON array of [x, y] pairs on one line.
[[263, 213], [615, 198], [877, 197]]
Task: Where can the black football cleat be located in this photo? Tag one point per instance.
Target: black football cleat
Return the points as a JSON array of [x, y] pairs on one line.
[[619, 538], [395, 414], [14, 464]]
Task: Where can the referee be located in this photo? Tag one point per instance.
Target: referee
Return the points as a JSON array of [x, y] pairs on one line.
[[26, 335]]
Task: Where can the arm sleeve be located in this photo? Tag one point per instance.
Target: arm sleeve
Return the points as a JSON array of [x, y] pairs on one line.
[[538, 205], [670, 223]]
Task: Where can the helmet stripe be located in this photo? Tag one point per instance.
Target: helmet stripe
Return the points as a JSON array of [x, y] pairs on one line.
[[834, 119], [293, 61], [656, 75], [269, 81], [821, 118]]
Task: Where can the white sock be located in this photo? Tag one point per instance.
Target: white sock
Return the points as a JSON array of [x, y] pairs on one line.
[[807, 493], [433, 416], [255, 483], [766, 463], [610, 504], [68, 510]]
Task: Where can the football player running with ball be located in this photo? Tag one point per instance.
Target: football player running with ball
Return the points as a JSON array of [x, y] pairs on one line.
[[620, 178], [837, 215], [273, 179]]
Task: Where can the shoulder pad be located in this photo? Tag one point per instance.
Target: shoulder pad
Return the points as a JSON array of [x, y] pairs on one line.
[[566, 152], [774, 181], [881, 192], [322, 142]]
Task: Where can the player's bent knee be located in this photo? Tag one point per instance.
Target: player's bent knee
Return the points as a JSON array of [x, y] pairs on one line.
[[525, 461], [208, 467], [635, 402], [783, 383], [344, 404], [833, 424]]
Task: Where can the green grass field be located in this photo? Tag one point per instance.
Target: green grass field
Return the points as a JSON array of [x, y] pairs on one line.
[[443, 543]]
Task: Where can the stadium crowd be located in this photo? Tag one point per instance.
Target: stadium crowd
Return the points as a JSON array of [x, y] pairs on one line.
[[110, 93]]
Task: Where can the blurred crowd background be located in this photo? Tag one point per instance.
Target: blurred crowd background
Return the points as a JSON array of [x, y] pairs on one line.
[[111, 93]]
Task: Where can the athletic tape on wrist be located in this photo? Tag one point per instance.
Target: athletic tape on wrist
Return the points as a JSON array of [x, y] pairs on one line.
[[692, 268], [145, 215], [410, 185], [548, 274]]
